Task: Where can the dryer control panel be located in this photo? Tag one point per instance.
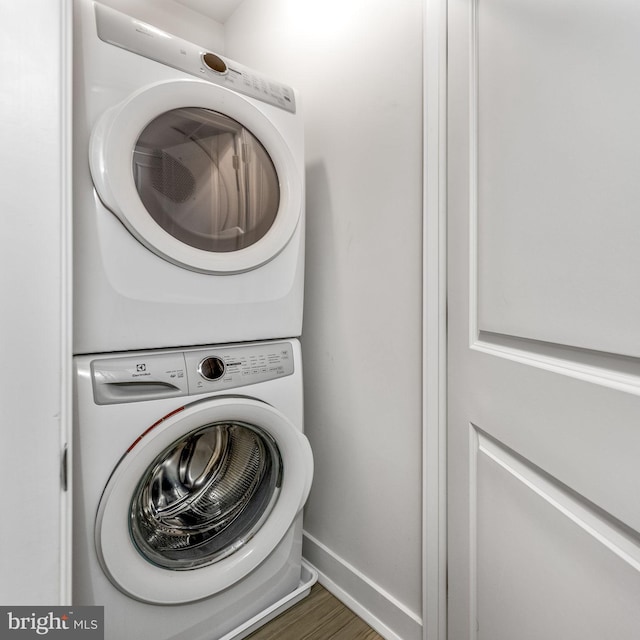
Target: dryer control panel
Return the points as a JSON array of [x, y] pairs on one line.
[[168, 374], [123, 31]]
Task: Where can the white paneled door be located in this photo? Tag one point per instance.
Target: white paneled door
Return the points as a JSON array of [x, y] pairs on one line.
[[544, 319]]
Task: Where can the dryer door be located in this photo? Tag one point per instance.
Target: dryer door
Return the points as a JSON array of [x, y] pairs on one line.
[[201, 499], [199, 175]]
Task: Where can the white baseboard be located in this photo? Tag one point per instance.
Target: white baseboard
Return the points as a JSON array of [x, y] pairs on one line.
[[379, 609]]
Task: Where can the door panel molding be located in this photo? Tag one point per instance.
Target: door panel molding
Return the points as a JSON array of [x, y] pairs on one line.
[[609, 370], [540, 544], [474, 133], [553, 237], [619, 371], [601, 526]]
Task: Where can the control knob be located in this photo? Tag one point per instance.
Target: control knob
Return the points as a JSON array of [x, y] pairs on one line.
[[211, 368], [215, 63]]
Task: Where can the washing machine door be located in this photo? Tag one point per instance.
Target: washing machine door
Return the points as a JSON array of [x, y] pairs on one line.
[[201, 499], [199, 175]]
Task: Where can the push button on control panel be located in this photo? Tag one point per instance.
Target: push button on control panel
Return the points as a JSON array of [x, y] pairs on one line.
[[212, 368]]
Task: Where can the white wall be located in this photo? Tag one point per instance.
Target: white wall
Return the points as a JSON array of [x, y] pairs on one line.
[[358, 66], [34, 322]]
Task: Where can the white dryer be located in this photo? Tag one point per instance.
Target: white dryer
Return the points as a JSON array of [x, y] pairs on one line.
[[188, 192], [190, 473]]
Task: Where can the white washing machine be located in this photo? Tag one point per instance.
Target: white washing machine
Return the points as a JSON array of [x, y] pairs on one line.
[[188, 192], [190, 473]]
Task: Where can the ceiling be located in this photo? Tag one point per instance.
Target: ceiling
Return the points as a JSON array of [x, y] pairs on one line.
[[218, 10]]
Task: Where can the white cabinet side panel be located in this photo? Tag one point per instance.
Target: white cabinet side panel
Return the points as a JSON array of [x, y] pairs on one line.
[[34, 201]]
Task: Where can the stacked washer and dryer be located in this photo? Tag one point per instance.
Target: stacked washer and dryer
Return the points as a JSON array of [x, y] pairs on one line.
[[190, 464]]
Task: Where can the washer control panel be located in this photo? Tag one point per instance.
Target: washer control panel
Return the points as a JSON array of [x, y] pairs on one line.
[[123, 31], [154, 375]]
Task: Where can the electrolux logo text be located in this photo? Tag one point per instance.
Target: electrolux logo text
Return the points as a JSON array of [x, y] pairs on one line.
[[78, 623]]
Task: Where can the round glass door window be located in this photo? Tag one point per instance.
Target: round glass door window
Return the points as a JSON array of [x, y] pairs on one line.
[[206, 180], [205, 496]]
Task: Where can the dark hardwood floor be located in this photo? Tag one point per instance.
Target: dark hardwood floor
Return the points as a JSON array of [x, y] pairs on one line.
[[320, 616]]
